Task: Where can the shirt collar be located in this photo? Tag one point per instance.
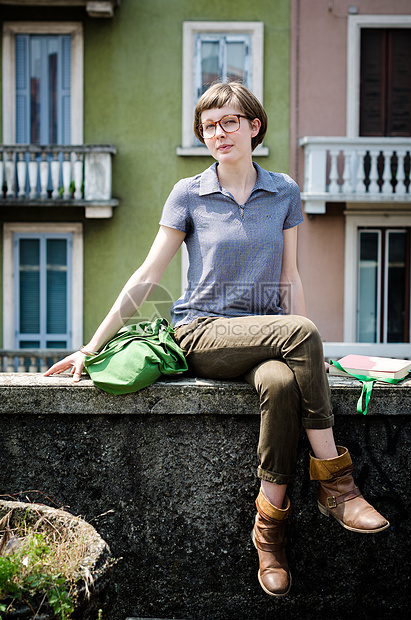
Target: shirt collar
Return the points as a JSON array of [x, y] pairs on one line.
[[209, 183]]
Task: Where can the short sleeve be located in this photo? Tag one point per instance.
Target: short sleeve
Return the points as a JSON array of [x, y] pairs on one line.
[[175, 211], [295, 213]]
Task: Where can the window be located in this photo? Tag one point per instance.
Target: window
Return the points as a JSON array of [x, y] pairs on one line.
[[218, 51], [42, 264], [43, 77], [221, 57], [43, 285], [385, 96], [42, 82], [377, 280], [387, 56], [383, 285]]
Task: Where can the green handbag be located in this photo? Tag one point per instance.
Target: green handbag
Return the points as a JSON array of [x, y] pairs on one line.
[[136, 357]]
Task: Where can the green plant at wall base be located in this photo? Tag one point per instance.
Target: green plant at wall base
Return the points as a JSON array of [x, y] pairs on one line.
[[38, 568]]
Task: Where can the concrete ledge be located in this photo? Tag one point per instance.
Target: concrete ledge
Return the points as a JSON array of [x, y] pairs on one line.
[[31, 393], [167, 477]]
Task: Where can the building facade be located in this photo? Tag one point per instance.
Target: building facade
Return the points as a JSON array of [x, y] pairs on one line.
[[97, 105], [350, 153]]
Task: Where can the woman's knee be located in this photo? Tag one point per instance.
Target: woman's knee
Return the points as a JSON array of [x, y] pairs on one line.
[[274, 380], [307, 330]]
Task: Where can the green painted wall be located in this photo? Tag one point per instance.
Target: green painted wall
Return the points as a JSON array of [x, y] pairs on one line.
[[133, 99], [133, 95]]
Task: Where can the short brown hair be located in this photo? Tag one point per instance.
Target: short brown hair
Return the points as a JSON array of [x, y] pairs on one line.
[[238, 95]]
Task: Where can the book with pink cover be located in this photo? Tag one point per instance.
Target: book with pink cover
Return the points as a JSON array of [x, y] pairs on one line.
[[369, 366]]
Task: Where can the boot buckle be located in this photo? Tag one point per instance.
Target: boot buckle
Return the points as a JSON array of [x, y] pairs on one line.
[[332, 502]]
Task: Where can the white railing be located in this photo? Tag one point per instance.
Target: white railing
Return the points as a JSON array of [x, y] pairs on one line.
[[53, 174], [355, 170], [30, 360]]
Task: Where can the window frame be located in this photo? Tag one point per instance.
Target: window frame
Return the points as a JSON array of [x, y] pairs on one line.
[[190, 30], [10, 29], [43, 336], [354, 222], [355, 24], [9, 289]]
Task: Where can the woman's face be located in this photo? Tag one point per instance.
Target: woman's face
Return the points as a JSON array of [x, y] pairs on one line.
[[227, 147]]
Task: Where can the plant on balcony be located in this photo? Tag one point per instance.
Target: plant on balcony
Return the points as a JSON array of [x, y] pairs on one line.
[[50, 562]]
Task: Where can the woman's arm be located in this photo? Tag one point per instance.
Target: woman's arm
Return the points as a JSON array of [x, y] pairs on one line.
[[135, 292], [291, 288]]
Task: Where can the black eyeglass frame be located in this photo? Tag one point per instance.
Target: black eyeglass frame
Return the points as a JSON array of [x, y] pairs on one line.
[[215, 123]]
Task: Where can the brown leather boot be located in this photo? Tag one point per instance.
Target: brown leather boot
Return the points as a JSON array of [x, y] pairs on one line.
[[340, 497], [268, 537]]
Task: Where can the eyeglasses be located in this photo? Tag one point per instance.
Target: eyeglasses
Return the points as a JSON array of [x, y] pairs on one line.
[[229, 124]]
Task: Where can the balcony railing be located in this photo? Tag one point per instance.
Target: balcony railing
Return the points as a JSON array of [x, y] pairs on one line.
[[365, 170], [30, 360], [56, 175]]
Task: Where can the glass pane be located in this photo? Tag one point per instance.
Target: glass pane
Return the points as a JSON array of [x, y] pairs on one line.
[[56, 344], [209, 63], [368, 287], [29, 285], [35, 89], [397, 253], [236, 61], [56, 286], [52, 88], [48, 92]]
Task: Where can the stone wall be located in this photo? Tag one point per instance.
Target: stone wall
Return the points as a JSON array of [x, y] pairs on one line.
[[167, 477]]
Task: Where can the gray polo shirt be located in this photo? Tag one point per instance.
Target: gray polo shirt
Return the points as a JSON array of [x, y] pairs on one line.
[[235, 251]]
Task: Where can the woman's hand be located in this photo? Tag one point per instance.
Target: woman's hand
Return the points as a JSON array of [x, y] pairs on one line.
[[74, 361]]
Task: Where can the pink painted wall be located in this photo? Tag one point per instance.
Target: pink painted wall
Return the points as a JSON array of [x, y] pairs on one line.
[[318, 108]]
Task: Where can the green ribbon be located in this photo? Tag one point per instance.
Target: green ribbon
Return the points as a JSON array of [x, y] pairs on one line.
[[367, 385]]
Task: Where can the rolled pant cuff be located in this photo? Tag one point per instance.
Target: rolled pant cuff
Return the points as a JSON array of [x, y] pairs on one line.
[[318, 423], [274, 477]]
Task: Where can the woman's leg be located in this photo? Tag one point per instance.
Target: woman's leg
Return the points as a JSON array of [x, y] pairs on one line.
[[280, 426], [224, 348], [275, 493], [322, 442]]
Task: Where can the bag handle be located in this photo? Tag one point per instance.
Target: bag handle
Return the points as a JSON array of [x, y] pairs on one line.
[[367, 385]]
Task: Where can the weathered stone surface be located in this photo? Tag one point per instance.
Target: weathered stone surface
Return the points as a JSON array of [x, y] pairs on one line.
[[167, 477], [24, 393]]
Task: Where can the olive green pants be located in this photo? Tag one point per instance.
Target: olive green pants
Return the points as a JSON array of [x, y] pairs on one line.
[[282, 357]]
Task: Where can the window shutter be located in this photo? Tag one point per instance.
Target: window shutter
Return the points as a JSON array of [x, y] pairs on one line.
[[29, 286], [65, 89], [56, 286], [372, 83], [399, 83], [22, 90], [385, 87], [43, 289]]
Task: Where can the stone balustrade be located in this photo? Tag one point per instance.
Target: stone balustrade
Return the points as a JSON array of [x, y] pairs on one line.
[[29, 360], [339, 169], [57, 175]]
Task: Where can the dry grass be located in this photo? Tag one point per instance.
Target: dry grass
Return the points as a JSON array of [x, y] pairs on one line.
[[44, 559]]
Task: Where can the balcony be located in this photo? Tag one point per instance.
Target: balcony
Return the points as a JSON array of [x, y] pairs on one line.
[[58, 176], [355, 170], [94, 8]]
